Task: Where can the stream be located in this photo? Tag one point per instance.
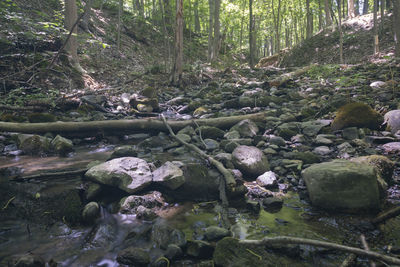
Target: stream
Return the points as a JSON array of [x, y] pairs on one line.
[[99, 245]]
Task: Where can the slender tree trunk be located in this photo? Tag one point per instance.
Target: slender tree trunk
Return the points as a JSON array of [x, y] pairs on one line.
[[357, 11], [168, 15], [242, 25], [382, 15], [396, 25], [210, 31], [320, 20], [366, 7], [86, 16], [376, 37], [217, 34], [351, 11], [176, 75], [71, 15], [328, 18], [340, 32], [251, 34], [197, 28], [309, 18], [120, 7], [166, 35]]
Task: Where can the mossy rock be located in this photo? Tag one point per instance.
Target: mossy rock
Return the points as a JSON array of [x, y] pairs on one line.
[[356, 115], [210, 132], [36, 145], [85, 109], [384, 166], [200, 111], [41, 117], [307, 157], [7, 117], [149, 92], [194, 105]]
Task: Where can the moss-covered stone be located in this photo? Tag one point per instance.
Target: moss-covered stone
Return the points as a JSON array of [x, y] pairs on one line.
[[210, 132], [200, 111], [384, 165], [307, 157], [11, 118], [149, 92], [41, 117], [356, 115], [36, 145]]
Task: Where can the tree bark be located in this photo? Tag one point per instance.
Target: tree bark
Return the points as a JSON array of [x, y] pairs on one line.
[[340, 32], [197, 27], [376, 37], [366, 7], [396, 25], [251, 36], [71, 16], [217, 5], [320, 21], [86, 17], [328, 18], [309, 20], [120, 126], [350, 8], [210, 54], [120, 8], [176, 76]]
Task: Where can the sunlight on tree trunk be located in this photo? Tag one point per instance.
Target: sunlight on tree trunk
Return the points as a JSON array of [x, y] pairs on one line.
[[210, 54], [71, 16], [176, 75], [340, 32], [328, 19], [350, 8], [376, 37]]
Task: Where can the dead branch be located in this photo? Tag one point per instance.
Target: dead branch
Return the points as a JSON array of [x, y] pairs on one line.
[[49, 175], [287, 240], [366, 247], [387, 215]]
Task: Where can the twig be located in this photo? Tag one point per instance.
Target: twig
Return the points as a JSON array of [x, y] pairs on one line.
[[8, 203], [387, 215], [366, 247], [287, 240], [349, 260]]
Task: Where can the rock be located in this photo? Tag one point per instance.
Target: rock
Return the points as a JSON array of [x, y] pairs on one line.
[[312, 128], [188, 130], [377, 85], [169, 175], [392, 120], [163, 235], [232, 135], [272, 204], [94, 99], [199, 249], [321, 140], [267, 180], [201, 184], [384, 166], [277, 140], [392, 147], [144, 108], [210, 132], [149, 92], [184, 137], [145, 102], [61, 145], [145, 213], [173, 252], [124, 151], [356, 115], [350, 133], [92, 191], [322, 150], [200, 111], [287, 130], [90, 212], [246, 128], [253, 206], [230, 146], [215, 233], [307, 157], [226, 159], [211, 144], [129, 174], [36, 145], [343, 186], [30, 260], [251, 161], [150, 200], [134, 256]]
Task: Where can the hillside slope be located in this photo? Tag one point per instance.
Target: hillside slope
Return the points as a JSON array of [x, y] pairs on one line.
[[323, 47]]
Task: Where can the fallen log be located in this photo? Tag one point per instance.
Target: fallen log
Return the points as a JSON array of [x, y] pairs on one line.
[[281, 80], [287, 240], [118, 127]]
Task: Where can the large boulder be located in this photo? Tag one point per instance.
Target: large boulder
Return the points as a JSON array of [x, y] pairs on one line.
[[250, 160], [169, 175], [392, 120], [356, 115], [384, 166], [343, 186], [129, 174]]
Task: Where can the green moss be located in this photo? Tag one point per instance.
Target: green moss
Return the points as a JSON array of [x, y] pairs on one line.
[[11, 118], [41, 117], [85, 109], [384, 165], [149, 92], [72, 208], [356, 115], [307, 157], [36, 145], [286, 133]]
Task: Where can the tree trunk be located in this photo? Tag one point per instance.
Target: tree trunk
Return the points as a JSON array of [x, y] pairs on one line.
[[309, 20], [120, 7], [383, 2], [71, 15], [365, 7], [376, 37], [357, 11], [197, 28], [176, 75], [86, 16], [396, 25], [340, 32], [241, 26], [351, 11], [216, 47], [320, 21], [251, 35], [210, 31], [328, 18]]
